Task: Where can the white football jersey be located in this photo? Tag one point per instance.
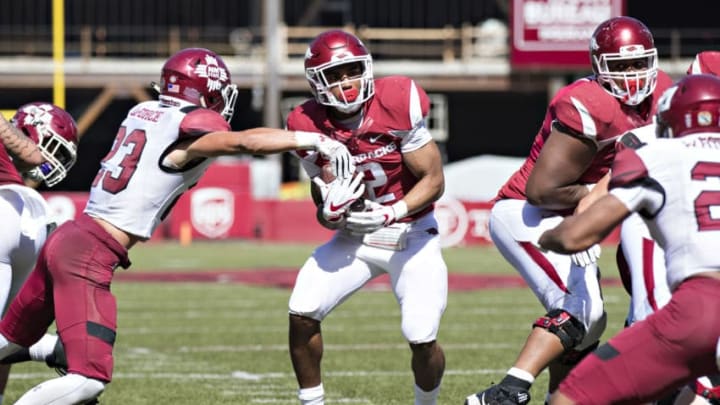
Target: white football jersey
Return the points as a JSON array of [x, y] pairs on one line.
[[675, 185], [133, 190]]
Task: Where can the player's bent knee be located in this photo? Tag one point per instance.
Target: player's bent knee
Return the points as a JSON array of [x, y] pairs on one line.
[[65, 390], [566, 327], [419, 336]]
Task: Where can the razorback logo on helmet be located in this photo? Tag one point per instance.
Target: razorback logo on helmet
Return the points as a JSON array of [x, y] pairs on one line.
[[213, 72]]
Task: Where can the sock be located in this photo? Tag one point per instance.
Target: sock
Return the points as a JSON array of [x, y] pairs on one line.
[[312, 395], [518, 378], [43, 347], [426, 397]]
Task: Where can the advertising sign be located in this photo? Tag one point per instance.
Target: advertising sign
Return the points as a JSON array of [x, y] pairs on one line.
[[555, 34]]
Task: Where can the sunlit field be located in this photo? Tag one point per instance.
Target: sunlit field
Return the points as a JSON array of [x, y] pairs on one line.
[[223, 343]]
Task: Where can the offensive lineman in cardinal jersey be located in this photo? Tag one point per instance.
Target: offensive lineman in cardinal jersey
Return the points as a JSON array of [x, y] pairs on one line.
[[162, 148], [399, 173], [672, 184], [572, 151]]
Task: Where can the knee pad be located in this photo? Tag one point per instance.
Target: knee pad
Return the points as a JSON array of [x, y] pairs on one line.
[[566, 327]]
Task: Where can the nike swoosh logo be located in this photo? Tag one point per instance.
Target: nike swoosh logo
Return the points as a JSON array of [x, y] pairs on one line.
[[334, 207], [374, 139]]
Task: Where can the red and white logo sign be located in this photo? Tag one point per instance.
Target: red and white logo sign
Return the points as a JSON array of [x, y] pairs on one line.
[[557, 32], [212, 211]]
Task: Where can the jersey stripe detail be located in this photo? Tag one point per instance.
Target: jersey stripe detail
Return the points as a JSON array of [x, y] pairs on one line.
[[415, 106], [588, 123]]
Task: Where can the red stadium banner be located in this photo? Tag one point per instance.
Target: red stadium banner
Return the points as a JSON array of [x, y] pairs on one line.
[[555, 34]]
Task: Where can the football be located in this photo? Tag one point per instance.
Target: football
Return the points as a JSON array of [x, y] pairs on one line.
[[358, 205]]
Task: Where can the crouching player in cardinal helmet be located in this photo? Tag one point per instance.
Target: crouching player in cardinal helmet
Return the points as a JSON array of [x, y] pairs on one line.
[[162, 148], [41, 144], [383, 214], [572, 151], [672, 183]]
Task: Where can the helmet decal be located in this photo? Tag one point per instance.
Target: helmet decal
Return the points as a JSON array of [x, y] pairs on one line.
[[215, 74]]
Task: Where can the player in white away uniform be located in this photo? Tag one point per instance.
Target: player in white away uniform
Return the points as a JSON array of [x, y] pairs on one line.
[[673, 184], [161, 150], [640, 257], [643, 260], [640, 260], [382, 122]]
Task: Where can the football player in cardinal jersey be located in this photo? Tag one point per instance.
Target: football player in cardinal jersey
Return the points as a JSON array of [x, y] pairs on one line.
[[393, 231], [41, 143], [162, 148], [572, 151], [672, 184]]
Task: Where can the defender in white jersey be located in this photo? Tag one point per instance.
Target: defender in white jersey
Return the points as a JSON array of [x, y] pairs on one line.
[[640, 260], [382, 121], [673, 184], [161, 149]]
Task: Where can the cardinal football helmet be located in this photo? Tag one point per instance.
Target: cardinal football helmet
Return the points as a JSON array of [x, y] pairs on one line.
[[624, 59], [328, 51], [705, 62], [198, 76], [691, 105], [55, 133]]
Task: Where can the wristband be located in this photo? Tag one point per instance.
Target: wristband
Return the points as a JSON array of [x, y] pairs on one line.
[[307, 140], [400, 209]]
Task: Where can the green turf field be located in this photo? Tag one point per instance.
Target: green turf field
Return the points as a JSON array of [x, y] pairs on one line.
[[198, 344]]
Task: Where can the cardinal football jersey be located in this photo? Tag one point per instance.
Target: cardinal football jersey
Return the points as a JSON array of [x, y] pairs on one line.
[[393, 123], [585, 109], [8, 172]]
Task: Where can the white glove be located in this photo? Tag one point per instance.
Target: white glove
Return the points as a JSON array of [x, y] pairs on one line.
[[586, 257], [375, 216], [341, 160], [339, 195]]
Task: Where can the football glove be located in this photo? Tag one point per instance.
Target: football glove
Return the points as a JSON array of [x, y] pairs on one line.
[[375, 216], [337, 153], [339, 195], [341, 161]]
